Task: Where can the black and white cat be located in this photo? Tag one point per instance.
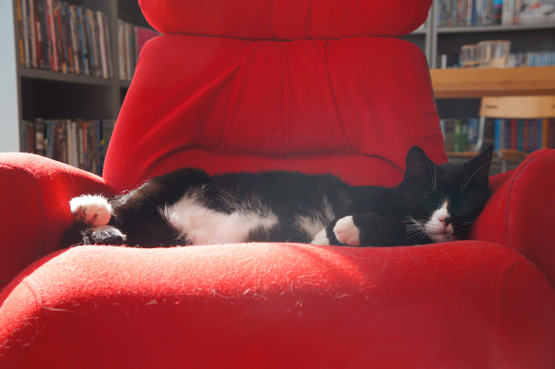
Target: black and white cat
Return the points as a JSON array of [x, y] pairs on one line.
[[434, 203]]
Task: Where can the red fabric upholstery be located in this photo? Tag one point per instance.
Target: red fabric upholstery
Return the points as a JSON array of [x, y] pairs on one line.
[[458, 305], [351, 106], [286, 19], [521, 214], [308, 105], [35, 194]]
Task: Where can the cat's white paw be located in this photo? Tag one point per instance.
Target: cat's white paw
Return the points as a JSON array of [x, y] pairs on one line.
[[93, 210], [321, 238], [347, 232]]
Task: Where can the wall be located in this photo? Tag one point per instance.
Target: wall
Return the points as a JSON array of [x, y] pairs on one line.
[[9, 111]]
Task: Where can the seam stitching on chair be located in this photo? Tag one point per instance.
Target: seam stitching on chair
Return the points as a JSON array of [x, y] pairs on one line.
[[509, 195], [272, 20], [285, 122], [499, 302], [233, 97], [332, 91], [308, 21]]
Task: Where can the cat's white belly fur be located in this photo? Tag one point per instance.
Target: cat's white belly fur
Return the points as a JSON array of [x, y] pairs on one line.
[[200, 225]]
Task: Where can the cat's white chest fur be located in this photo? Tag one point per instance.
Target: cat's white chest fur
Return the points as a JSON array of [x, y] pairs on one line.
[[439, 228], [200, 225]]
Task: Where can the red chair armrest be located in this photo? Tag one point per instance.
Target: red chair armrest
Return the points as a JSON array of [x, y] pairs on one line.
[[521, 211], [35, 193]]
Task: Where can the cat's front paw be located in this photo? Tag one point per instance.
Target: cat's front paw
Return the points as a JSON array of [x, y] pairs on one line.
[[92, 210], [347, 232], [321, 238]]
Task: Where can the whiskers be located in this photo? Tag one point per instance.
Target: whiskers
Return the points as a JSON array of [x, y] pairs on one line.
[[415, 230]]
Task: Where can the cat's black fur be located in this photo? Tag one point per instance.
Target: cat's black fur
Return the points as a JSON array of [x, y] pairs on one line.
[[383, 216]]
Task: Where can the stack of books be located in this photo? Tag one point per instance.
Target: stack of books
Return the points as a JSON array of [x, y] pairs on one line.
[[61, 37], [524, 135], [532, 59], [131, 40], [81, 143], [468, 13]]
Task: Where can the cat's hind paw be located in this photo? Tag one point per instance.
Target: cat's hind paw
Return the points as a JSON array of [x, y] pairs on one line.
[[92, 210], [347, 232]]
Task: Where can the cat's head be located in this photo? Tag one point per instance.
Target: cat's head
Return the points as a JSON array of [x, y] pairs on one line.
[[442, 201]]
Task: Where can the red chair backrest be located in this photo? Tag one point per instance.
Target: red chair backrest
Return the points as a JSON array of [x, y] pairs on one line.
[[323, 90]]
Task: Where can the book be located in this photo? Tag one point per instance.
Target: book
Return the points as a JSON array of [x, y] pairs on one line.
[[81, 143], [526, 135], [468, 13], [536, 12], [131, 40], [62, 37]]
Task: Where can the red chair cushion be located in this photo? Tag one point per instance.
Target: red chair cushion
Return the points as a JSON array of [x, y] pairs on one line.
[[463, 304], [286, 19]]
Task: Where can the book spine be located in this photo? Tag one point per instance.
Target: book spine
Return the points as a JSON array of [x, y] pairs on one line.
[[103, 45], [513, 134], [107, 45], [74, 39], [525, 135], [539, 130], [40, 128], [497, 11], [83, 41], [130, 52], [20, 36], [51, 36], [32, 34], [98, 44], [551, 133], [61, 51], [26, 36], [121, 49], [520, 134], [508, 12], [44, 30], [469, 11], [498, 135]]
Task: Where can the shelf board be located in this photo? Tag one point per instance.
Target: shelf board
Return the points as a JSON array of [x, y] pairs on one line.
[[496, 28], [60, 77], [479, 82]]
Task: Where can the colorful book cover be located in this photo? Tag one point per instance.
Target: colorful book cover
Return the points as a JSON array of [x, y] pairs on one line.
[[497, 11], [520, 134], [81, 28], [551, 133], [499, 134], [539, 130]]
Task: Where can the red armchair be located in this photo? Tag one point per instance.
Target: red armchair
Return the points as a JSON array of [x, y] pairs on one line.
[[244, 85]]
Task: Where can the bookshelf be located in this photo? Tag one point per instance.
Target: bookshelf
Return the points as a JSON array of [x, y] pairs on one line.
[[479, 82], [52, 95], [40, 93]]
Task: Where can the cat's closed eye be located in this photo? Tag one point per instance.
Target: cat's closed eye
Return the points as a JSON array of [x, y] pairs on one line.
[[428, 195], [466, 199]]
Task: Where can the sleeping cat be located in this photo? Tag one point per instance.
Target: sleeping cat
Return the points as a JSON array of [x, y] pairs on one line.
[[433, 203]]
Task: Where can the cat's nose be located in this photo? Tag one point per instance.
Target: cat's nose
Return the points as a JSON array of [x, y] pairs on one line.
[[445, 221]]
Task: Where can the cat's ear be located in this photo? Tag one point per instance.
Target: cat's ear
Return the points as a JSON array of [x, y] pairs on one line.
[[478, 168], [418, 164]]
